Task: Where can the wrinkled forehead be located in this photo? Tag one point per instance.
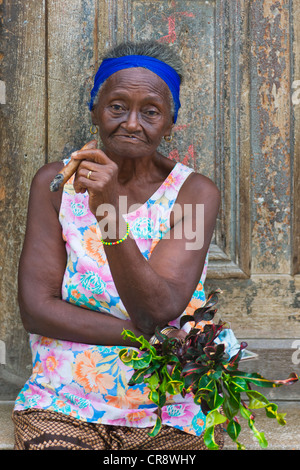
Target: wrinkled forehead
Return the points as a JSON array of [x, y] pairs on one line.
[[135, 80]]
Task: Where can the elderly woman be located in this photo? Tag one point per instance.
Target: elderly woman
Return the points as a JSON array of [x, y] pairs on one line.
[[103, 255]]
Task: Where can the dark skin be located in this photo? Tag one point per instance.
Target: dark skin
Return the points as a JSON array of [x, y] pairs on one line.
[[133, 114]]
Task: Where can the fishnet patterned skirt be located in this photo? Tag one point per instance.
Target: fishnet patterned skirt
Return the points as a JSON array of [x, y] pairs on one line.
[[46, 430]]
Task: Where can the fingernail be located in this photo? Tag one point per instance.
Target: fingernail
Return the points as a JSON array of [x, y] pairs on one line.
[[74, 154]]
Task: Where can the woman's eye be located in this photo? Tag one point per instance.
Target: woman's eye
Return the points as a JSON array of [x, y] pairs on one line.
[[116, 107], [151, 113]]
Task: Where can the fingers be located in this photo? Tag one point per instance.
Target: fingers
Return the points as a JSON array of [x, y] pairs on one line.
[[92, 155], [68, 170], [94, 177], [180, 334], [88, 170]]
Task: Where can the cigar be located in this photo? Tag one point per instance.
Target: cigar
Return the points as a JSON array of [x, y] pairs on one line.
[[68, 170]]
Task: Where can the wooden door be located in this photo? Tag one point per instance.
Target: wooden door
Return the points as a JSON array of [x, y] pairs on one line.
[[239, 125]]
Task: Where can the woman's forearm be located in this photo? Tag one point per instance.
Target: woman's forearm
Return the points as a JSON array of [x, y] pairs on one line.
[[56, 318], [146, 296]]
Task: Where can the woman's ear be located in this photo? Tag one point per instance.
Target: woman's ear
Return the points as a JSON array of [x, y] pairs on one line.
[[169, 130], [93, 117]]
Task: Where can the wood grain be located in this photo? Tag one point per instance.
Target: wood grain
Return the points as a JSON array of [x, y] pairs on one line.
[[22, 153]]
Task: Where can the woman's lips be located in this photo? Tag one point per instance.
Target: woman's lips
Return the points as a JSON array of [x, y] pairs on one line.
[[130, 138]]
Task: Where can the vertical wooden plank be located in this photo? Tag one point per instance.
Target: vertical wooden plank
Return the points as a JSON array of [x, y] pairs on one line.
[[188, 27], [244, 227], [270, 136], [72, 52], [22, 153], [296, 142]]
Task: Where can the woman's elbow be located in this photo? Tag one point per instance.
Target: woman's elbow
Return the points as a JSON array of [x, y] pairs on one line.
[[28, 312], [147, 323], [27, 317]]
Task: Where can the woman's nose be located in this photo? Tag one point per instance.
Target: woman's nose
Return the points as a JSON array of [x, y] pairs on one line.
[[132, 122]]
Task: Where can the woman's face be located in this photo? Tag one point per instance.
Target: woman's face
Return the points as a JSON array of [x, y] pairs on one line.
[[133, 113]]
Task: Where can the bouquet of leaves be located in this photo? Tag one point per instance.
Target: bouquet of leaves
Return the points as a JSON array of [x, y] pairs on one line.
[[200, 366]]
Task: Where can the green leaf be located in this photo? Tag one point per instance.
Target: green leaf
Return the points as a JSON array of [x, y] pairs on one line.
[[127, 355], [199, 395], [256, 400], [133, 358], [144, 343], [175, 387], [271, 412], [137, 377], [154, 397], [142, 361], [233, 397], [156, 428], [238, 384], [230, 407], [233, 429], [216, 375], [206, 382], [163, 384], [127, 334], [162, 400], [209, 439], [154, 367], [214, 417], [218, 399], [153, 381], [246, 414], [280, 418], [260, 381], [260, 436]]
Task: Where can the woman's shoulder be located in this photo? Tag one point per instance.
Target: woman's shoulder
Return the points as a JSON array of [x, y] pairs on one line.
[[200, 189], [47, 172], [40, 186]]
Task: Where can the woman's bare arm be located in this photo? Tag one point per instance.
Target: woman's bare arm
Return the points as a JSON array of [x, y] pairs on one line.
[[155, 291], [41, 269]]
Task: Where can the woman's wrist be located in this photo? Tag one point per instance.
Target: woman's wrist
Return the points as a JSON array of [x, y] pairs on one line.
[[113, 229], [120, 240]]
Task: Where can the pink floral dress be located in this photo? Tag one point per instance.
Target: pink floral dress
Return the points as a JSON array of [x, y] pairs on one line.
[[89, 382]]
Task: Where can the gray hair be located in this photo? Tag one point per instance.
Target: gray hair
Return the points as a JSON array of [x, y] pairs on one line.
[[149, 48]]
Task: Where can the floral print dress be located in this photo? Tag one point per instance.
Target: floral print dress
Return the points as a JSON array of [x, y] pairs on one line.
[[89, 382]]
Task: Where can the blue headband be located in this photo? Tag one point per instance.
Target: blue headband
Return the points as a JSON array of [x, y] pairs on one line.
[[163, 70]]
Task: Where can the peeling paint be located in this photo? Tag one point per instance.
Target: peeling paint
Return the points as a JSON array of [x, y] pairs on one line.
[[296, 94], [2, 92], [270, 108]]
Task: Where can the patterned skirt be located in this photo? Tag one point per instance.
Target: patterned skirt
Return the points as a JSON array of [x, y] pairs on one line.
[[46, 430]]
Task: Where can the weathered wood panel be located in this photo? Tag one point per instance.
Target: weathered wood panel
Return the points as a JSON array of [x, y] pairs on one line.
[[72, 51], [270, 136], [22, 153], [210, 37], [263, 306], [296, 141]]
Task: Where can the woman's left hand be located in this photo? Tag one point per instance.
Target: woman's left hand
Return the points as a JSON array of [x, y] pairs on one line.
[[96, 174], [180, 334]]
